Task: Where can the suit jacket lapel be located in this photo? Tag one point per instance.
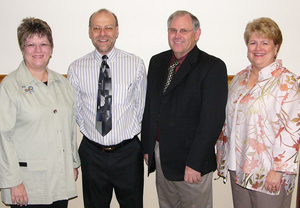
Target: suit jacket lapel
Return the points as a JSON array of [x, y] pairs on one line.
[[184, 68], [162, 72]]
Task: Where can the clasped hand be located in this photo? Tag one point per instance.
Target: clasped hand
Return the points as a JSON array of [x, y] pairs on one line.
[[192, 176]]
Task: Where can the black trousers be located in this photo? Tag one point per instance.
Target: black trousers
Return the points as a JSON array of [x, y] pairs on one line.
[[57, 204], [121, 170]]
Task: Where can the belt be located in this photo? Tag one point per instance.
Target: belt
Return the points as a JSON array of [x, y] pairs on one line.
[[112, 147]]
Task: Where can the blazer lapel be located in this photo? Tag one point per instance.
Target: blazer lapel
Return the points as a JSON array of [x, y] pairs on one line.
[[187, 65], [162, 72]]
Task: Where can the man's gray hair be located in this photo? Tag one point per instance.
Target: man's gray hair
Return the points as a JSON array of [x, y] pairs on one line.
[[180, 13]]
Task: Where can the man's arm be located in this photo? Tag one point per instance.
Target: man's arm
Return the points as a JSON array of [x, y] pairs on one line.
[[212, 116], [74, 80], [141, 91], [147, 115]]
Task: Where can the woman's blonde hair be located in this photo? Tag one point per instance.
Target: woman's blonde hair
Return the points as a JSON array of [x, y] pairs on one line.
[[264, 27]]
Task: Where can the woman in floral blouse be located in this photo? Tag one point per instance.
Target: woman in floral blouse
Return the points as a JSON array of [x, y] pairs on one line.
[[259, 142]]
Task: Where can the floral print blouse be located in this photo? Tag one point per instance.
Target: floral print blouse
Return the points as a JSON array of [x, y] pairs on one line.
[[263, 126]]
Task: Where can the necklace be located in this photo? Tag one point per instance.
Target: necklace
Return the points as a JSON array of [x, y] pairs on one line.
[[254, 73]]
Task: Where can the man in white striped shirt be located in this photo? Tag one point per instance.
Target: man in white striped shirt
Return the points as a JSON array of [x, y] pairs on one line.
[[113, 161]]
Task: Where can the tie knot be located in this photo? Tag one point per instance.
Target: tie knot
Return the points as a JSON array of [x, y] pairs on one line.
[[104, 65], [104, 58], [175, 63]]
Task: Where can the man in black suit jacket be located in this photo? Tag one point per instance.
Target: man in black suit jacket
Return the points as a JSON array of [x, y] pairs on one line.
[[181, 124]]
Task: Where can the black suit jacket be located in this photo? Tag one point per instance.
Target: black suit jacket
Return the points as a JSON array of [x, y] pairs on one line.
[[190, 114]]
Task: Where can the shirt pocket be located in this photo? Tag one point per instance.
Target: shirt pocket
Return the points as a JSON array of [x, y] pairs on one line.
[[123, 94], [34, 177]]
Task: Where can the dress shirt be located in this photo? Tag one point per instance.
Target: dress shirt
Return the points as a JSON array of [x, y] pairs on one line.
[[180, 61], [129, 82], [261, 131], [38, 129]]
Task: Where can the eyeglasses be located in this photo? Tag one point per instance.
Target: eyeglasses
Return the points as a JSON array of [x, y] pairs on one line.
[[107, 29], [182, 31], [42, 46]]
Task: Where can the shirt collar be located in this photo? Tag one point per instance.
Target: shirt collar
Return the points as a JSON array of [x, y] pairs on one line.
[[180, 60], [111, 55], [24, 76], [266, 72]]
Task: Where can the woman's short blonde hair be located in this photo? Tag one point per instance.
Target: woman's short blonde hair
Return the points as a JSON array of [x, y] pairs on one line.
[[264, 27]]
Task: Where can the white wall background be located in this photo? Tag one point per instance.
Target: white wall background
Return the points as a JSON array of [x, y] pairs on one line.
[[143, 31]]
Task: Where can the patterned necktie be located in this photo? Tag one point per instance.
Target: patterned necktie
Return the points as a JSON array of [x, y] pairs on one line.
[[171, 71], [104, 99]]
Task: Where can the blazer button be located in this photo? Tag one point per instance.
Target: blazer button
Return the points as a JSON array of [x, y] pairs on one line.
[[55, 111]]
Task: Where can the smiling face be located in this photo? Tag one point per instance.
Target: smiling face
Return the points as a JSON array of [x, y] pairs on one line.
[[37, 58], [181, 44], [261, 51], [103, 40]]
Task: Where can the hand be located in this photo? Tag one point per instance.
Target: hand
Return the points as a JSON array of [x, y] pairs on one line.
[[146, 158], [273, 181], [76, 173], [192, 176], [19, 195]]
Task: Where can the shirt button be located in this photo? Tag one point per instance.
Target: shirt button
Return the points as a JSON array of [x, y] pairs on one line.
[[55, 111]]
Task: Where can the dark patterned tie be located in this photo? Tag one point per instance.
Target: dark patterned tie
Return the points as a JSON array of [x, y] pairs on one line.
[[104, 99], [171, 71]]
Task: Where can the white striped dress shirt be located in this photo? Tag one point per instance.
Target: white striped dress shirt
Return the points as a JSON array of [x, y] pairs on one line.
[[128, 94]]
